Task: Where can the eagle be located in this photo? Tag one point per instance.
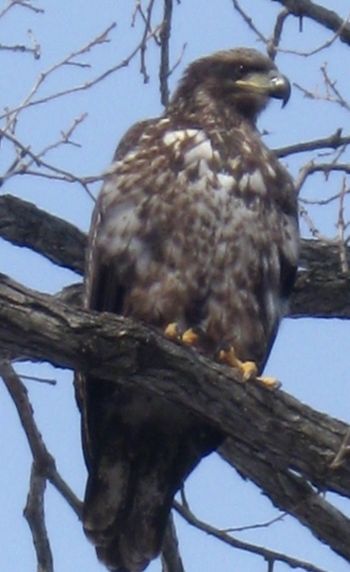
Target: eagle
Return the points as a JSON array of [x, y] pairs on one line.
[[195, 232]]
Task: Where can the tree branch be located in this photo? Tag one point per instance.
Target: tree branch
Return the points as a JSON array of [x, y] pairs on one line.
[[23, 224], [296, 443], [171, 559], [266, 553], [291, 493], [334, 141], [45, 465], [35, 515], [319, 14]]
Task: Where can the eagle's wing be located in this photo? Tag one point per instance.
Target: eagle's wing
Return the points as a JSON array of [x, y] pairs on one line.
[[139, 448]]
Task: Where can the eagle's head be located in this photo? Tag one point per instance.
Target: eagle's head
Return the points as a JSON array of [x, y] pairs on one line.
[[242, 80]]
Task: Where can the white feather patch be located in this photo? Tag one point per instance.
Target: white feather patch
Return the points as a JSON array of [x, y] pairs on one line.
[[178, 136]]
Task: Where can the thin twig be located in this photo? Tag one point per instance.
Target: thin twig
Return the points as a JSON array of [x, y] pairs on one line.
[[322, 46], [28, 100], [274, 42], [325, 168], [23, 4], [164, 52], [81, 87], [46, 380], [268, 555], [171, 559], [144, 41], [341, 226], [343, 452], [249, 21], [34, 513], [334, 141]]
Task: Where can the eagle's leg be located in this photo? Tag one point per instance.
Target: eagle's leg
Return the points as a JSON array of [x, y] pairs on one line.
[[248, 369], [189, 337]]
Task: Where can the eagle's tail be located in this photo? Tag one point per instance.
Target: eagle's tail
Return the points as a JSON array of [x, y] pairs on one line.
[[148, 450]]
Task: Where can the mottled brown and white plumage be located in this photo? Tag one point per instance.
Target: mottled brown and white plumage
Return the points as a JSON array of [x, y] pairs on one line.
[[196, 224]]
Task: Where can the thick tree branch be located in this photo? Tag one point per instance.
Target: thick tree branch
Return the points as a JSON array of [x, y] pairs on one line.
[[23, 224], [319, 14], [264, 427], [322, 289]]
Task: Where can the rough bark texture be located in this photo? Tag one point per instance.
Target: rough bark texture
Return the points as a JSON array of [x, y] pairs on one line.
[[276, 441], [23, 224]]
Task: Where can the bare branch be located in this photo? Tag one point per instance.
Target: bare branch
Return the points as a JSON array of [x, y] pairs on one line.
[[81, 87], [274, 42], [21, 48], [35, 515], [116, 348], [18, 168], [24, 224], [23, 4], [341, 226], [249, 21], [164, 52], [325, 168], [12, 114], [319, 14], [331, 86], [321, 47], [171, 559], [45, 464], [290, 493], [334, 141], [46, 380], [265, 553]]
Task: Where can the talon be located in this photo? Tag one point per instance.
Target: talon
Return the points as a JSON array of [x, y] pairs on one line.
[[189, 337], [172, 331], [268, 382], [248, 369]]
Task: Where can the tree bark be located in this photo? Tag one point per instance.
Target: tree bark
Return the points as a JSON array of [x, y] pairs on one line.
[[281, 444]]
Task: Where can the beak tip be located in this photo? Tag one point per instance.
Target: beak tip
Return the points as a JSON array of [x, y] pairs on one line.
[[281, 89]]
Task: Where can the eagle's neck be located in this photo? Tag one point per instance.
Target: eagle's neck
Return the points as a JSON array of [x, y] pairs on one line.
[[206, 110]]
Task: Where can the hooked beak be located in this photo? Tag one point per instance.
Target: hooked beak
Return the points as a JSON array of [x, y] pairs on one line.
[[271, 84]]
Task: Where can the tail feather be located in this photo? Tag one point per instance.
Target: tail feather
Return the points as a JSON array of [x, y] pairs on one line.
[[145, 452]]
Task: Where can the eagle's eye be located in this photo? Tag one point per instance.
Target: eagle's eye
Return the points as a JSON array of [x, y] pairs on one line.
[[241, 71]]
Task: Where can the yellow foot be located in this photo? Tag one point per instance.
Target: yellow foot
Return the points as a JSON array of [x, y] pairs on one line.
[[248, 369], [188, 337], [172, 331]]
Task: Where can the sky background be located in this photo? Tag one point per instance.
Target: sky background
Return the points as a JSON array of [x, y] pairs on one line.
[[311, 357]]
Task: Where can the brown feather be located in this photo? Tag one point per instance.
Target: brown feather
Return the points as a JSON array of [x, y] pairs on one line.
[[196, 224]]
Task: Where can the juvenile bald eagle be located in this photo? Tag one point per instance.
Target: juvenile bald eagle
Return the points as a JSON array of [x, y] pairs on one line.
[[195, 232]]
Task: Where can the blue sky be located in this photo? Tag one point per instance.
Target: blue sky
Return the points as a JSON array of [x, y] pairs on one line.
[[311, 357]]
